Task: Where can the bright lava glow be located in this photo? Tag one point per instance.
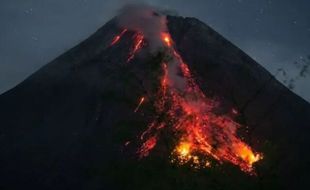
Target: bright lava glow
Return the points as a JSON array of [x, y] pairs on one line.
[[183, 149], [167, 39]]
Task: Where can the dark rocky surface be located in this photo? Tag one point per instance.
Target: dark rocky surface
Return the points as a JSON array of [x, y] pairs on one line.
[[65, 126]]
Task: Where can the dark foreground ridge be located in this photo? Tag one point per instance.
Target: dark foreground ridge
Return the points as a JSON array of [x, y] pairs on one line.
[[65, 126]]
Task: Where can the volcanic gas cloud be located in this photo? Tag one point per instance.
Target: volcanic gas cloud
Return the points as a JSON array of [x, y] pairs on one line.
[[202, 136]]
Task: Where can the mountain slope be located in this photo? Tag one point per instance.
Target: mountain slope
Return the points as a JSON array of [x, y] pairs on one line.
[[65, 126]]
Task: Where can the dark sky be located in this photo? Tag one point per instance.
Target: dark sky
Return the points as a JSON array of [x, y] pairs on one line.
[[274, 32]]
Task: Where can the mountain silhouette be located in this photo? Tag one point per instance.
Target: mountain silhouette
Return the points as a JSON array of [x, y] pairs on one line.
[[73, 124]]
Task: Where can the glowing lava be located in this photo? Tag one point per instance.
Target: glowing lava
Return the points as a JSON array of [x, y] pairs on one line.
[[202, 135], [118, 37], [138, 44], [166, 38], [147, 146], [183, 149]]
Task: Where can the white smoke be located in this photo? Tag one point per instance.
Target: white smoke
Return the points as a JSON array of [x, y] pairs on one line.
[[145, 19], [175, 79], [150, 21]]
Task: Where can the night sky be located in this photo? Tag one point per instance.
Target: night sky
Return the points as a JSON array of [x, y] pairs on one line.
[[276, 33]]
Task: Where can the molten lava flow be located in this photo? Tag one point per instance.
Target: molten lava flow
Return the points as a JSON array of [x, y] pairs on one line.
[[202, 135], [140, 103], [138, 43], [118, 37]]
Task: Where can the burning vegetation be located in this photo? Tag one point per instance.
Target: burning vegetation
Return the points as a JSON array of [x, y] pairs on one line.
[[202, 137]]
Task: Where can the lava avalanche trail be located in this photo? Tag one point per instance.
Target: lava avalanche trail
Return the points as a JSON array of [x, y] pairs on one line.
[[201, 136]]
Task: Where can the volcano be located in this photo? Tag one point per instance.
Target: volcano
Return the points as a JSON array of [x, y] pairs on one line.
[[185, 109]]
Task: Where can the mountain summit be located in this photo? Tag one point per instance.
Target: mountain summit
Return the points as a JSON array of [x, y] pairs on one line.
[[152, 101]]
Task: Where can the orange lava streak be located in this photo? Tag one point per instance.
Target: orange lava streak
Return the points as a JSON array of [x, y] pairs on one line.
[[139, 105], [138, 43], [118, 37], [204, 134]]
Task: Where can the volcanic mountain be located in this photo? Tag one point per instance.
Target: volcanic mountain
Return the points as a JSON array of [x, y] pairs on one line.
[[108, 114]]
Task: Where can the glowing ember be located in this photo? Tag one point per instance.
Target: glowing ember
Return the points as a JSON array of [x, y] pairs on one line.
[[127, 143], [140, 103], [138, 43], [183, 149], [234, 111], [118, 37], [147, 147], [167, 39], [202, 134]]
